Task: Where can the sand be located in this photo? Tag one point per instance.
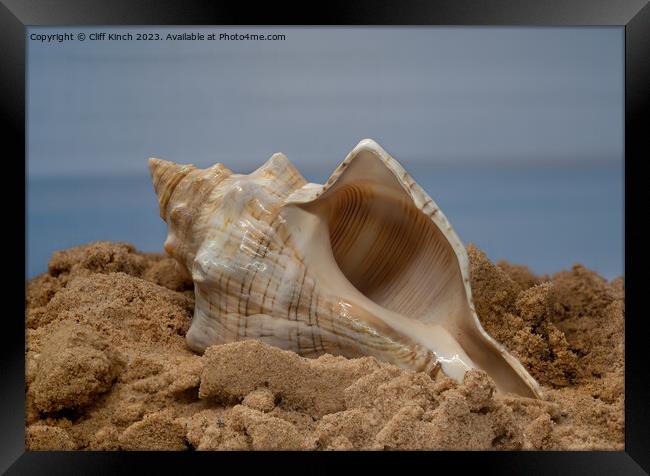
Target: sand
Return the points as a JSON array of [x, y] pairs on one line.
[[107, 368]]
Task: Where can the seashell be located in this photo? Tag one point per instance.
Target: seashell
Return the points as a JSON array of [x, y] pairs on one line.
[[366, 264]]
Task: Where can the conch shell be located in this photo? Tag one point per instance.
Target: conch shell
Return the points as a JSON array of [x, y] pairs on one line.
[[366, 264]]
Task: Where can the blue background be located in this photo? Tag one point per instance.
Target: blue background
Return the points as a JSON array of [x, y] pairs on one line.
[[517, 133]]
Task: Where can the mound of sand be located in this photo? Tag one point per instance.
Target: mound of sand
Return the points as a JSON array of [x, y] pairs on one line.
[[108, 369]]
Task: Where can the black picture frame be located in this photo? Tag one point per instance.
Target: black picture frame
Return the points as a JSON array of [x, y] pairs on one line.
[[633, 15]]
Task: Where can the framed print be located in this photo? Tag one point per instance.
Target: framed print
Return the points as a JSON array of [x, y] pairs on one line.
[[379, 234]]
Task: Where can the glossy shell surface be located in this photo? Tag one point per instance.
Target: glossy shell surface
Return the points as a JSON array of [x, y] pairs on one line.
[[366, 264]]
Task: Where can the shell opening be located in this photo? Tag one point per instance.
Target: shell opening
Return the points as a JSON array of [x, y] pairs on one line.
[[387, 247], [394, 254]]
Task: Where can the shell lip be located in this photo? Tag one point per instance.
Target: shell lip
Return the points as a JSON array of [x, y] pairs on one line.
[[427, 205]]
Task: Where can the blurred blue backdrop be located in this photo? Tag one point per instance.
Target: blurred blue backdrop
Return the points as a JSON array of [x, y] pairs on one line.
[[517, 133]]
